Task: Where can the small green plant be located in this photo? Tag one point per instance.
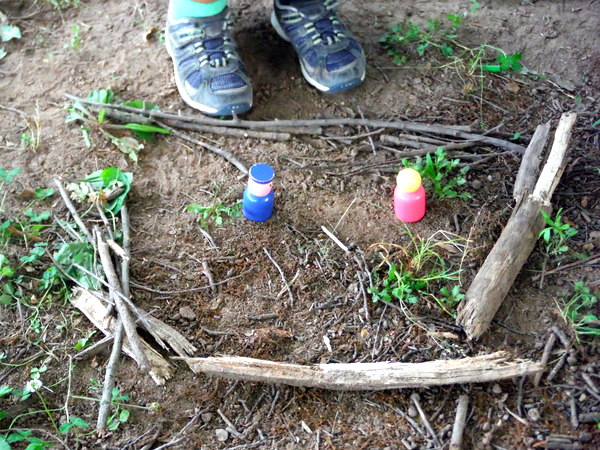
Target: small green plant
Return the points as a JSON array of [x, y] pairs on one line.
[[121, 415], [75, 42], [216, 212], [442, 36], [449, 299], [436, 170], [89, 121], [556, 234], [578, 312], [415, 271]]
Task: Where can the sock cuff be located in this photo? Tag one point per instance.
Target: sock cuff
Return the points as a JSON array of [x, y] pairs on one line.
[[179, 9]]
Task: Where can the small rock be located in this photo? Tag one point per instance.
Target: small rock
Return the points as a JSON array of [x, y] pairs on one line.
[[412, 411], [222, 435], [534, 414], [571, 360], [528, 441], [496, 389], [486, 426], [476, 184], [187, 313], [585, 437], [206, 417]]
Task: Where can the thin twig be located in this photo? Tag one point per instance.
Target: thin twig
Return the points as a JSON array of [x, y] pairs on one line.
[[287, 286], [545, 356], [93, 350], [187, 291], [415, 398], [230, 426], [219, 151], [331, 236], [179, 436], [73, 210], [459, 422], [109, 377]]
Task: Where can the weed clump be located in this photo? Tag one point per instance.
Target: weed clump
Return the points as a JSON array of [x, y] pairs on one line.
[[416, 272]]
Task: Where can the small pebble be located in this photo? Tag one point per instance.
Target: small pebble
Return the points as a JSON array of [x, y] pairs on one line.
[[206, 417], [534, 414], [222, 435], [412, 411], [476, 184], [187, 313], [486, 426], [571, 360], [496, 389], [528, 441]]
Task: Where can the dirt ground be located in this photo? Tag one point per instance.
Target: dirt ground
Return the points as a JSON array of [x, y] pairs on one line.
[[318, 182]]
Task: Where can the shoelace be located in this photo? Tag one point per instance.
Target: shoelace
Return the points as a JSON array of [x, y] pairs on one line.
[[211, 50], [325, 29]]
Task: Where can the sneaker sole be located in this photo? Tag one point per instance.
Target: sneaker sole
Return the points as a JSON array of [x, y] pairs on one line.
[[321, 87], [228, 110]]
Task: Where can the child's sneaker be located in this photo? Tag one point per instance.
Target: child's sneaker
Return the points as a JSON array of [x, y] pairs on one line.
[[208, 71], [330, 58]]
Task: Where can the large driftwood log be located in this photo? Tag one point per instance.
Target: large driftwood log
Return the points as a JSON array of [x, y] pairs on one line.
[[504, 262], [367, 376]]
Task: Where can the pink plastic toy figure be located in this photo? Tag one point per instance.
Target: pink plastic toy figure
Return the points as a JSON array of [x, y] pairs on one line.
[[409, 196]]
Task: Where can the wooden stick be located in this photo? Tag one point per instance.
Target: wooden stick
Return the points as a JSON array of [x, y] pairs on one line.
[[459, 422], [224, 131], [73, 210], [528, 170], [545, 356], [416, 400], [124, 314], [504, 262], [367, 376], [398, 125], [113, 362], [109, 378]]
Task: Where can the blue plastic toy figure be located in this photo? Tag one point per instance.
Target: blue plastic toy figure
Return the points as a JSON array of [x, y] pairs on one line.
[[258, 195]]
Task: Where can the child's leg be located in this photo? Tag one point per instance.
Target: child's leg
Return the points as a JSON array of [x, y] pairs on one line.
[[208, 71]]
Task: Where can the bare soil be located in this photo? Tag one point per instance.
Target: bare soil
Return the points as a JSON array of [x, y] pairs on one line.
[[318, 182]]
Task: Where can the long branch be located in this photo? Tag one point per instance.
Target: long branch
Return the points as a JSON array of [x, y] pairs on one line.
[[250, 124]]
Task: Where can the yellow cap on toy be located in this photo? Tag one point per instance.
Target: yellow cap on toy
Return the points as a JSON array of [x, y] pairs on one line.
[[408, 180]]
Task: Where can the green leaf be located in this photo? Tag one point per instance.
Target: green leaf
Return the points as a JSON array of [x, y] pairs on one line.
[[65, 427], [4, 445], [8, 32], [124, 416], [78, 422], [145, 132], [7, 176], [82, 254], [41, 193], [142, 104], [101, 96], [515, 136], [35, 217], [596, 123], [5, 390], [109, 179]]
